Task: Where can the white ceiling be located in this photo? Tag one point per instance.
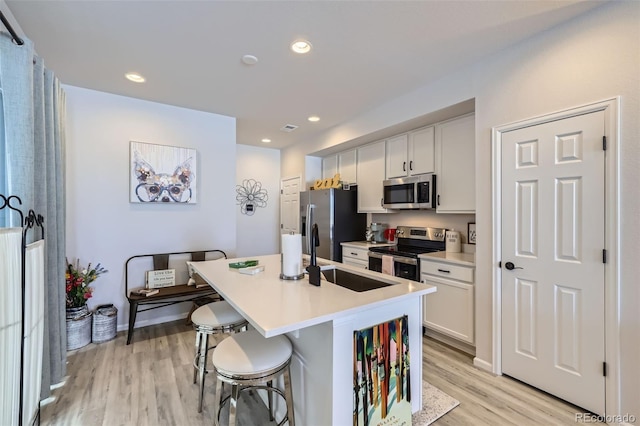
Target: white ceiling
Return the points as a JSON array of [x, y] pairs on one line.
[[365, 53]]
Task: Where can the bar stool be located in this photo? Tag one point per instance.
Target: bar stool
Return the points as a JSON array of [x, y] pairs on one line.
[[212, 318], [249, 361]]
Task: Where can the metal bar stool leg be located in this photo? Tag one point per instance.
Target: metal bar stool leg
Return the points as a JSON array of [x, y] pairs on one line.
[[202, 368], [233, 405], [196, 355], [270, 398], [289, 396], [216, 402]]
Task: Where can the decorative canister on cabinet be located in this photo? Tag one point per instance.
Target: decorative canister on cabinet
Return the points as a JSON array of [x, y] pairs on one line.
[[78, 327], [105, 320], [452, 241]]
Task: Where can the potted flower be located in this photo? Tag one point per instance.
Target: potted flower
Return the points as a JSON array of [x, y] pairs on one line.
[[77, 280]]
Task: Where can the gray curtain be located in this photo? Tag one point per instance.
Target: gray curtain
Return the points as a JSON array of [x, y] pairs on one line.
[[32, 167]]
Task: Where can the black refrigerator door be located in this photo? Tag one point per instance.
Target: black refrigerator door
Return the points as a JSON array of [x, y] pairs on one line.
[[322, 215], [335, 212]]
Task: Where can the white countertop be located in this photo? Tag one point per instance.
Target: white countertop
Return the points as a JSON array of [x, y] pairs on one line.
[[364, 244], [274, 306], [466, 259]]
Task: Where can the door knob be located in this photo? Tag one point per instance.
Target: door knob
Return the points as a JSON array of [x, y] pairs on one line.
[[510, 266]]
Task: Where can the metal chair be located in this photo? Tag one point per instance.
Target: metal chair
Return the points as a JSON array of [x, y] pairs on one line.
[[249, 361], [212, 318]]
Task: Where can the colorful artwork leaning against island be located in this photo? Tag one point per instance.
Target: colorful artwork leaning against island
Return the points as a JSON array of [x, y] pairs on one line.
[[164, 174], [381, 375]]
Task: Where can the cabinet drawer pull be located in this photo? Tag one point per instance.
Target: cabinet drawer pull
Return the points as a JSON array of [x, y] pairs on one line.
[[354, 254], [444, 271]]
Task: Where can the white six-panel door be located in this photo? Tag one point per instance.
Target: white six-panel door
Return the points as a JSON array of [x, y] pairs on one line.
[[289, 205], [553, 235]]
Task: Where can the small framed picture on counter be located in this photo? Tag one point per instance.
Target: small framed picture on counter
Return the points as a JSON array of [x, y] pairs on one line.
[[471, 232]]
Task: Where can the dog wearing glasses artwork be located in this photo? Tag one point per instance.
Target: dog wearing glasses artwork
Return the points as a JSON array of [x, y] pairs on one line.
[[162, 174]]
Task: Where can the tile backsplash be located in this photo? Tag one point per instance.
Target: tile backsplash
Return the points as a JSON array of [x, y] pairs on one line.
[[427, 218]]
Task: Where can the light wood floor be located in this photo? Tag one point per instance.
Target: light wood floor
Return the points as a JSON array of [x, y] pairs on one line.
[[150, 383]]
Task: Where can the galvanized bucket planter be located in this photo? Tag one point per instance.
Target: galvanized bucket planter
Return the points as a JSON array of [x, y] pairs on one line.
[[78, 327], [105, 320]]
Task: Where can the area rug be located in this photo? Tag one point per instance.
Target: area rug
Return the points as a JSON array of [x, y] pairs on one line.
[[435, 404]]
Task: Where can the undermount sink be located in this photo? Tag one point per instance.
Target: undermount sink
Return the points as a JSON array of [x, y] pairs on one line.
[[353, 281]]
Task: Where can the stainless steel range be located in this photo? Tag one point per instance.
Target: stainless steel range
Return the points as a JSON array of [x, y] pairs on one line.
[[412, 241]]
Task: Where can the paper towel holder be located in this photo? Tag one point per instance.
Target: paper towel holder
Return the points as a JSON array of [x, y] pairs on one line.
[[288, 277], [292, 277]]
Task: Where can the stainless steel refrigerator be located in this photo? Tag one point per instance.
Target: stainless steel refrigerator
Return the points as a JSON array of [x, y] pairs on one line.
[[336, 213]]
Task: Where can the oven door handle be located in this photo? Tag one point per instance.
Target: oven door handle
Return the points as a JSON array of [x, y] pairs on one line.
[[399, 259]]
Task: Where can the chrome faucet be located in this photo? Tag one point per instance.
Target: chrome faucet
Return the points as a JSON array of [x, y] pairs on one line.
[[313, 269]]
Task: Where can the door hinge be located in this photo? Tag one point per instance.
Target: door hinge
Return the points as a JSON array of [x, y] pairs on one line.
[[281, 226], [281, 192], [604, 255], [604, 368], [604, 143], [500, 264]]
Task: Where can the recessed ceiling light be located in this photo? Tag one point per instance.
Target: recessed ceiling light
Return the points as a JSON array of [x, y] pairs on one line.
[[265, 140], [301, 46], [249, 59], [135, 77], [313, 118]]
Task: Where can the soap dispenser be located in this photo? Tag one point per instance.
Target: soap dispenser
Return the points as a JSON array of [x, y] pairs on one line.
[[313, 269]]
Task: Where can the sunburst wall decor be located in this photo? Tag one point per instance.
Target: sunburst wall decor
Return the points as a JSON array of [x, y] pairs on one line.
[[250, 195]]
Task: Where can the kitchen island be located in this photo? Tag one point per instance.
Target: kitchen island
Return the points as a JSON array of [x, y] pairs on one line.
[[320, 322]]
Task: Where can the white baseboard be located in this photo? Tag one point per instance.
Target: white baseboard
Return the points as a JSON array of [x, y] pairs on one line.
[[154, 321], [59, 384], [47, 401], [463, 346], [482, 364]]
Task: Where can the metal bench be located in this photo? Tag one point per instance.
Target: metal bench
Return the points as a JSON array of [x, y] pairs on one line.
[[167, 295]]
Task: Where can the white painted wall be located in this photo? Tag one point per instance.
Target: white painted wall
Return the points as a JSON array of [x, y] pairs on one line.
[[102, 226], [259, 234], [591, 58]]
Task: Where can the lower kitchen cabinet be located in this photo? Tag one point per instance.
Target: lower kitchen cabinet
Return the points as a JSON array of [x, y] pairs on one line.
[[450, 311], [355, 256]]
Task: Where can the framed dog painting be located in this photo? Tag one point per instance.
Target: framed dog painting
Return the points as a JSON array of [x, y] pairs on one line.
[[162, 174]]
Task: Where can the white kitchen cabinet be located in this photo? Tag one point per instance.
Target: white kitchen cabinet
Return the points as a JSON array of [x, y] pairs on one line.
[[370, 173], [347, 166], [450, 311], [329, 166], [397, 157], [422, 151], [355, 256], [411, 154], [455, 165]]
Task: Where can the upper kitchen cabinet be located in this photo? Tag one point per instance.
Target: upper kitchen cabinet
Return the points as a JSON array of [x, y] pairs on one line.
[[329, 166], [347, 166], [411, 154], [343, 163], [370, 173], [455, 165]]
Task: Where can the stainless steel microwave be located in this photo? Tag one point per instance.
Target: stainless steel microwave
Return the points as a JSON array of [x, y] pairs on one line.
[[414, 192]]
